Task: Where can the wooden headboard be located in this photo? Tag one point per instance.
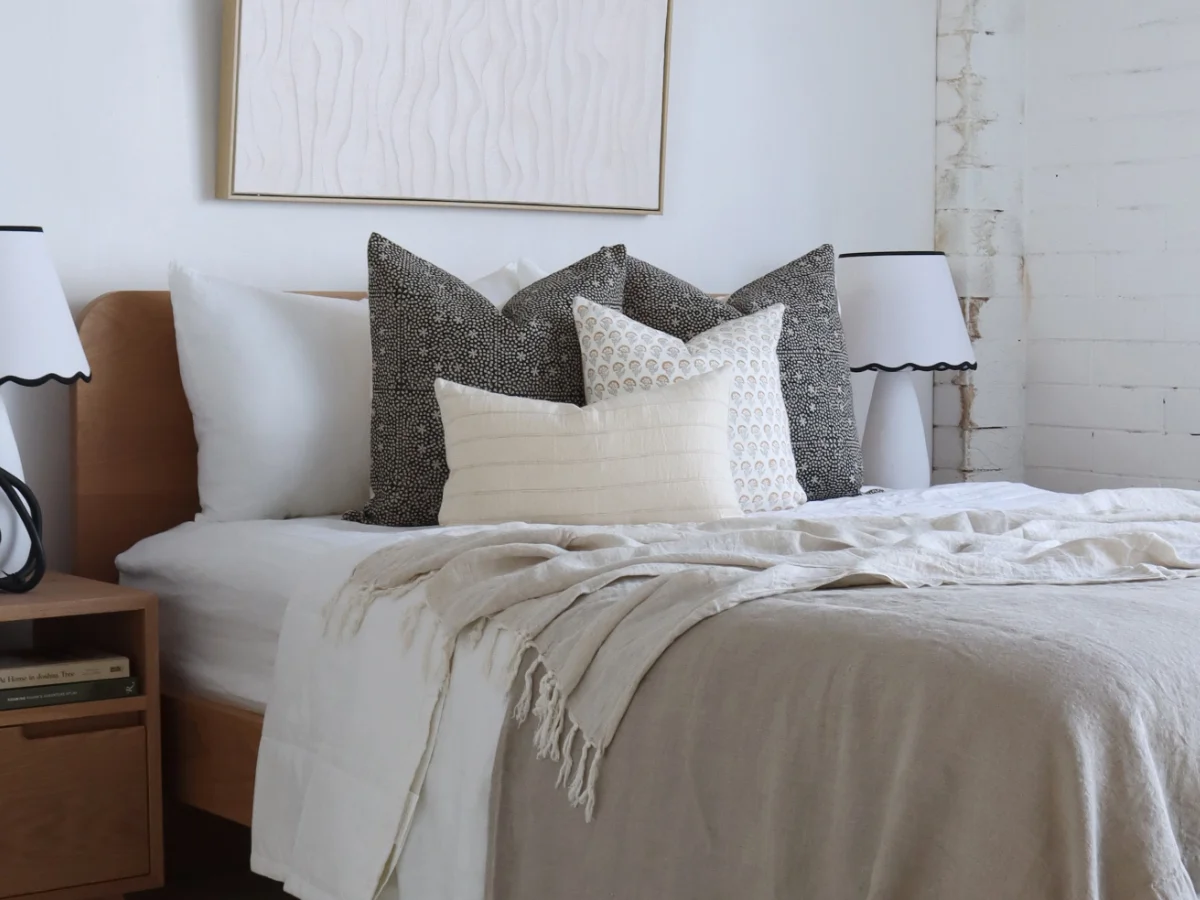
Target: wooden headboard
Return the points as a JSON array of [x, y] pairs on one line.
[[132, 443], [133, 446]]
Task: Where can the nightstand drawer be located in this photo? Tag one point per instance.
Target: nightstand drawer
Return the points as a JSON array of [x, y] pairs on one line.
[[73, 808]]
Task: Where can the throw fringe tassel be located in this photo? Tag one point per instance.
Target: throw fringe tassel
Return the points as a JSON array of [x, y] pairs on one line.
[[549, 708], [475, 632], [576, 787], [549, 711], [344, 614], [582, 791], [564, 771], [589, 795], [521, 711]]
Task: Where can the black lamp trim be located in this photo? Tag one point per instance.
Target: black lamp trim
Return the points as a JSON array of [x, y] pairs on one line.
[[25, 504], [35, 228], [38, 382], [936, 367], [893, 253]]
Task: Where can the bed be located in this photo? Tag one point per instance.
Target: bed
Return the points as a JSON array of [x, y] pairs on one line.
[[135, 484], [134, 459]]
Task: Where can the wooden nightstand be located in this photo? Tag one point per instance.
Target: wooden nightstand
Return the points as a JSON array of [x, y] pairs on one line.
[[80, 783]]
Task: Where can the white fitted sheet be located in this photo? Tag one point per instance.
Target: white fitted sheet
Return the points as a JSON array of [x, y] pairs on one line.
[[223, 588]]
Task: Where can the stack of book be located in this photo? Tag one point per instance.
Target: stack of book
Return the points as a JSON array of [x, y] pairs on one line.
[[38, 678]]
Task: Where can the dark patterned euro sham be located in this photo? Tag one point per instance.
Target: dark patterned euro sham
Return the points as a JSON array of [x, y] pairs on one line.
[[813, 364], [427, 324]]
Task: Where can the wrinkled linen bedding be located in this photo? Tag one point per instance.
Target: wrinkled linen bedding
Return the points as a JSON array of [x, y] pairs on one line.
[[593, 610], [1035, 742], [223, 589]]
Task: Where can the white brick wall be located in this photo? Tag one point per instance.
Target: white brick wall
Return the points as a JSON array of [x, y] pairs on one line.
[[1112, 242], [979, 418]]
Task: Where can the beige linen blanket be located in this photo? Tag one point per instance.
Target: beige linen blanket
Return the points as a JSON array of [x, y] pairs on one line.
[[954, 743], [597, 607]]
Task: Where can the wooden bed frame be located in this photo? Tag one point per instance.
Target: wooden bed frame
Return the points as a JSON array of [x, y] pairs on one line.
[[134, 475]]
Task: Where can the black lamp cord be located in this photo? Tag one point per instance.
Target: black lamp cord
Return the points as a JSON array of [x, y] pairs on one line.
[[30, 513]]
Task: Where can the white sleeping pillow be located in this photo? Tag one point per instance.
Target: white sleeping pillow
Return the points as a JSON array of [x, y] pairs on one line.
[[621, 356], [501, 285], [280, 390], [651, 456]]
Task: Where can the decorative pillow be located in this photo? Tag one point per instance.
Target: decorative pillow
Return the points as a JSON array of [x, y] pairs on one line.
[[280, 390], [651, 456], [427, 324], [814, 368], [621, 356]]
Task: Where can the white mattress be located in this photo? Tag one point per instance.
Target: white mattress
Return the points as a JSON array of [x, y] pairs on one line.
[[224, 586]]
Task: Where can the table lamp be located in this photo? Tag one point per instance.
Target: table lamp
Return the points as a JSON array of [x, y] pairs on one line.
[[901, 314], [38, 342]]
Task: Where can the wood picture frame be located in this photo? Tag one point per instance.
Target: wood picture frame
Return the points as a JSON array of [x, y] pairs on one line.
[[622, 172]]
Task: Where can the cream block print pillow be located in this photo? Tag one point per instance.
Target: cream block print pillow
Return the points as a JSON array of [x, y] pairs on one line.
[[622, 356]]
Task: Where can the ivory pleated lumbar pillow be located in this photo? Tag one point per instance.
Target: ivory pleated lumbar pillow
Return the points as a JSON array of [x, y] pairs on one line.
[[622, 356], [652, 456]]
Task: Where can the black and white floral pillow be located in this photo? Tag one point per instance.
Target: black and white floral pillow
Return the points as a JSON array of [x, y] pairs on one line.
[[427, 324], [814, 367]]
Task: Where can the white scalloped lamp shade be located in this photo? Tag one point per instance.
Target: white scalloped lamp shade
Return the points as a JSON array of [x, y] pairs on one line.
[[38, 338], [38, 342], [901, 311]]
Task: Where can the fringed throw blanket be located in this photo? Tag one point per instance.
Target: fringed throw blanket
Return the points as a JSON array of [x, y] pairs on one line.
[[596, 607], [1032, 742]]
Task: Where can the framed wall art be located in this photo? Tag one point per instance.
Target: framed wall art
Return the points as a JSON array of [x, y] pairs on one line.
[[532, 104]]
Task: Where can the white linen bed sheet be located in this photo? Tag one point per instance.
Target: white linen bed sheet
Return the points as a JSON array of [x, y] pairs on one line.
[[224, 589]]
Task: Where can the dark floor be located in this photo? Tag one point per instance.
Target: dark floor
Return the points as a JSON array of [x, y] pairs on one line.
[[217, 887], [208, 859]]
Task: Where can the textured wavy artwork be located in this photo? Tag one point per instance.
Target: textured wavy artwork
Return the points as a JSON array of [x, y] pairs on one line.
[[555, 103]]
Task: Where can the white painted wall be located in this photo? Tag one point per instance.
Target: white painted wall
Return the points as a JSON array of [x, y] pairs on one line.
[[790, 124], [1113, 237]]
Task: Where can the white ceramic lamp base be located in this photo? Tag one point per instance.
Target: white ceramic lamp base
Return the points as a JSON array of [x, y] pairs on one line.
[[895, 449], [14, 542]]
